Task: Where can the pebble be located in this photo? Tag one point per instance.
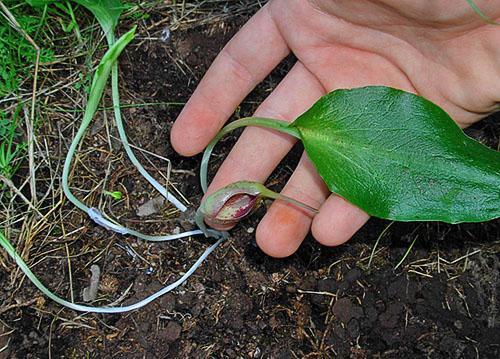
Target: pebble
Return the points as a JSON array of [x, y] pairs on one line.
[[165, 34]]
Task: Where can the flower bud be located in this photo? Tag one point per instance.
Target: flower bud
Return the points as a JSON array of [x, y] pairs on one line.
[[225, 207], [230, 204]]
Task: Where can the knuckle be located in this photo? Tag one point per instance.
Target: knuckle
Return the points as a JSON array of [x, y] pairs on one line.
[[297, 192], [237, 67], [267, 110]]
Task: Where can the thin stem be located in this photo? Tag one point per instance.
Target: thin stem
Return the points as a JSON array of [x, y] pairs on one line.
[[372, 254], [123, 136], [281, 126], [108, 64], [481, 14], [278, 196], [406, 253], [98, 84], [208, 232], [30, 124], [115, 93], [84, 308]]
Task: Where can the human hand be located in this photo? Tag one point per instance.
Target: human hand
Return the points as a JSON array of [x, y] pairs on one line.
[[438, 49]]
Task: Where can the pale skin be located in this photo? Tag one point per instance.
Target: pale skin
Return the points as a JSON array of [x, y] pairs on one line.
[[439, 49]]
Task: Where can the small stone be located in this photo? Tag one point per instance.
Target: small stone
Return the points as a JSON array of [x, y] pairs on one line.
[[250, 230], [90, 292], [151, 207], [167, 302], [199, 288], [165, 35]]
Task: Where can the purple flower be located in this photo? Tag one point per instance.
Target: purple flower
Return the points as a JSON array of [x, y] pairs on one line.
[[225, 207], [230, 204]]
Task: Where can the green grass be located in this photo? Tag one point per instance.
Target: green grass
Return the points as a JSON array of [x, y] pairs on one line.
[[17, 62], [17, 68], [17, 55], [11, 147]]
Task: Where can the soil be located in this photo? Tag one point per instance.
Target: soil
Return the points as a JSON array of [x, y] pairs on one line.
[[441, 302]]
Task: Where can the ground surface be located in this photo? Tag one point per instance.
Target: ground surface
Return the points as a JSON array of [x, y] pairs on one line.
[[441, 302]]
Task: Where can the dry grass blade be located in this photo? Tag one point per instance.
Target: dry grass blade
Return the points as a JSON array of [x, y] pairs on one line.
[[30, 120]]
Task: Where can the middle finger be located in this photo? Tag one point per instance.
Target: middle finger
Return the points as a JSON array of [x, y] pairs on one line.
[[259, 150]]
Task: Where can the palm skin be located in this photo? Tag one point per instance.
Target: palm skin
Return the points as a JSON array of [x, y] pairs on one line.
[[439, 49]]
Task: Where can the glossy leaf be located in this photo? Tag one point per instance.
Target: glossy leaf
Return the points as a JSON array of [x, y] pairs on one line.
[[398, 156]]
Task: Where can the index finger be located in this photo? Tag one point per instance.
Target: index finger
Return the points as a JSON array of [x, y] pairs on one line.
[[244, 62]]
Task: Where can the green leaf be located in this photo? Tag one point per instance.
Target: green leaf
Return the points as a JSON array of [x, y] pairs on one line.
[[116, 195], [398, 156], [39, 2], [107, 12], [96, 90], [104, 69]]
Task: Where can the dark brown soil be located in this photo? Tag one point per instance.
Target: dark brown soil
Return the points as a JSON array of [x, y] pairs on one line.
[[320, 302]]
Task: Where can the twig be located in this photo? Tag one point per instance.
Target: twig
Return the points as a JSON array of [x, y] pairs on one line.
[[70, 274], [29, 303], [11, 185], [329, 294]]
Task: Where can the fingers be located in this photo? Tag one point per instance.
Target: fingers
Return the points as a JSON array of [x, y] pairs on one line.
[[244, 62], [258, 150], [285, 225], [337, 221]]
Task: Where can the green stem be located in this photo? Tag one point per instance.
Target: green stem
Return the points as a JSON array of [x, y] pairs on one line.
[[406, 253], [481, 14], [123, 137], [115, 94], [96, 91], [266, 192], [4, 242], [107, 66], [278, 125]]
